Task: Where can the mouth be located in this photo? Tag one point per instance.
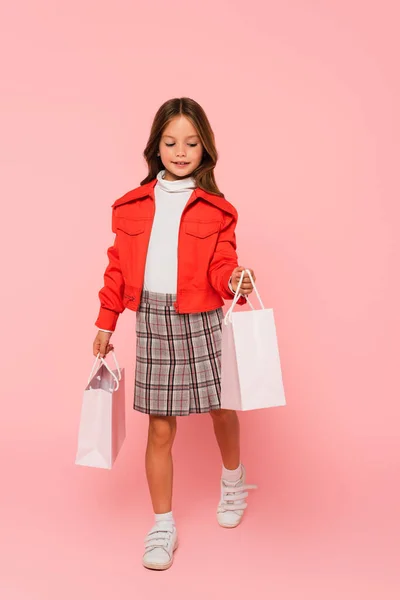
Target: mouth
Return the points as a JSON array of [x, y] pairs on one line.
[[181, 164]]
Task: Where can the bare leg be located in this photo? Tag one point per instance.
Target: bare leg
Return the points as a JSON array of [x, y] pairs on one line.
[[159, 466], [227, 433]]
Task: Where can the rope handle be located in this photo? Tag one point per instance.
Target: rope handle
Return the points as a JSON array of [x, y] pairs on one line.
[[108, 369], [228, 315]]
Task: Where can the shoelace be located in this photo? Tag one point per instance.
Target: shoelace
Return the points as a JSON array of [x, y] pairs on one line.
[[159, 537], [231, 495]]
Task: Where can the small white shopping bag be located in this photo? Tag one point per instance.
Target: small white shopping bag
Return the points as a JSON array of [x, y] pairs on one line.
[[102, 421], [251, 374]]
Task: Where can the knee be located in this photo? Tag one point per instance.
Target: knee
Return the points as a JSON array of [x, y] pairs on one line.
[[162, 430]]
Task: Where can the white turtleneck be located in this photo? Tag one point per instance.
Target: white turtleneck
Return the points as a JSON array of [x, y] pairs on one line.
[[171, 197]]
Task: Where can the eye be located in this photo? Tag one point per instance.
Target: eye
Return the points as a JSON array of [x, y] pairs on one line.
[[191, 145]]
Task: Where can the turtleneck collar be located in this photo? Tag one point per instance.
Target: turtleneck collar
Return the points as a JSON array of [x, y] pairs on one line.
[[179, 185]]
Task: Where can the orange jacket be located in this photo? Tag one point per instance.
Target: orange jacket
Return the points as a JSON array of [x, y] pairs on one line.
[[206, 253]]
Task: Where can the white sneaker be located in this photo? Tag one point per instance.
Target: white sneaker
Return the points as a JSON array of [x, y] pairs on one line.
[[231, 506], [160, 544]]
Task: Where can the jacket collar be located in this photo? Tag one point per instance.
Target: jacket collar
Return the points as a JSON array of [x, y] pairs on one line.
[[143, 191]]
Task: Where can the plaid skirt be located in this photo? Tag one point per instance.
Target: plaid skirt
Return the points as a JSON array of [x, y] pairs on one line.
[[178, 358]]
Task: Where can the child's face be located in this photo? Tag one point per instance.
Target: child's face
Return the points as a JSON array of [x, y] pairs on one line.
[[180, 143]]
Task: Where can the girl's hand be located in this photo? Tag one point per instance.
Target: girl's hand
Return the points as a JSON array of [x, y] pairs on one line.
[[101, 344], [247, 286]]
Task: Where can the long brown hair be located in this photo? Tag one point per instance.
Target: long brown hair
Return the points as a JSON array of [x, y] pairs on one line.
[[204, 174]]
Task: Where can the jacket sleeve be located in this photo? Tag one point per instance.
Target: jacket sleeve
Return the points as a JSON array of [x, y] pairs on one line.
[[225, 259], [111, 294]]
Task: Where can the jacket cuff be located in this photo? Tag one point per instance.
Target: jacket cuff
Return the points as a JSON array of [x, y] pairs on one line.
[[230, 285], [107, 319]]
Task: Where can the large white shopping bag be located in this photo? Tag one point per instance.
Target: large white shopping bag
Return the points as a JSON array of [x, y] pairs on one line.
[[251, 374], [102, 421]]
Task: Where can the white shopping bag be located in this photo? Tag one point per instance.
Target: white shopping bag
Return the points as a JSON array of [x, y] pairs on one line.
[[102, 422], [251, 374]]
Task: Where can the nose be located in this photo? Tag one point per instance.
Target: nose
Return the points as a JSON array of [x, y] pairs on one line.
[[180, 152]]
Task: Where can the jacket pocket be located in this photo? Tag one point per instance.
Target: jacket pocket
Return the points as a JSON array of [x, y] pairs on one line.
[[130, 226], [202, 229]]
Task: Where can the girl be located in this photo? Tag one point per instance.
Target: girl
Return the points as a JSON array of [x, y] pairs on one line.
[[173, 261]]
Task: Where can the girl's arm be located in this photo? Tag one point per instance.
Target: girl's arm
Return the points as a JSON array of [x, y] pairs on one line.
[[225, 259], [112, 292]]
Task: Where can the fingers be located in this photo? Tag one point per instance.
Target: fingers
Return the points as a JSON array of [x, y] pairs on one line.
[[237, 273], [245, 281], [102, 347], [246, 290], [105, 348], [96, 347], [247, 286]]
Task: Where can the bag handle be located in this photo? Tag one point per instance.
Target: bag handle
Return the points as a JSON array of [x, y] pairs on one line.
[[228, 315], [108, 369]]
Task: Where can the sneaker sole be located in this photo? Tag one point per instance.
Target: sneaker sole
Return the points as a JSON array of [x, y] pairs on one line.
[[229, 526], [158, 567]]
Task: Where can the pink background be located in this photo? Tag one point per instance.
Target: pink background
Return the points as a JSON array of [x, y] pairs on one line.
[[304, 101]]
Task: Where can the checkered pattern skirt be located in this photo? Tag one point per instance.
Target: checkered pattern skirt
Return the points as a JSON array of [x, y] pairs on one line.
[[178, 358]]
